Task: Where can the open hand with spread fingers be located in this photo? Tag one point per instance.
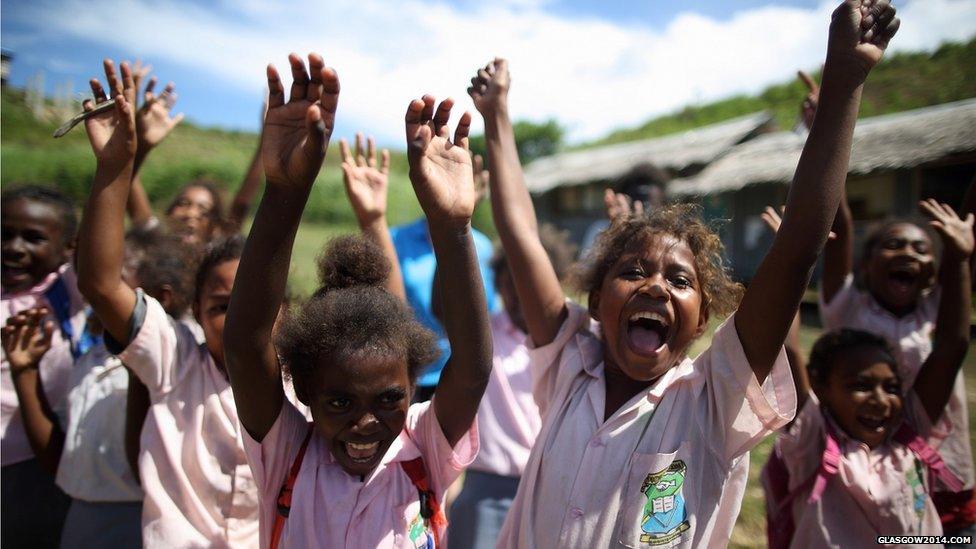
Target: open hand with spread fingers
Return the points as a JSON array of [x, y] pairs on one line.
[[296, 133], [25, 338], [366, 181], [860, 31], [956, 233], [620, 205], [112, 134], [153, 120], [489, 87], [440, 169]]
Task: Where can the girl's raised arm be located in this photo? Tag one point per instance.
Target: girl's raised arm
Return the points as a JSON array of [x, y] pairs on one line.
[[951, 337], [295, 137], [101, 236], [367, 183], [538, 287], [859, 33], [442, 177]]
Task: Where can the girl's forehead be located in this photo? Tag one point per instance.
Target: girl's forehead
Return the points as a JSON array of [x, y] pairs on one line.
[[869, 362], [908, 231], [658, 246]]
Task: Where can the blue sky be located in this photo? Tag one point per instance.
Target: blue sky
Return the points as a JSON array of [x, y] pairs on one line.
[[592, 65]]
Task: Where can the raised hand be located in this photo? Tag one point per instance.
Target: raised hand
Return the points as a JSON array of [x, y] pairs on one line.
[[366, 183], [620, 205], [25, 339], [489, 87], [956, 234], [112, 134], [482, 177], [773, 219], [809, 106], [440, 169], [296, 134], [860, 31], [153, 121]]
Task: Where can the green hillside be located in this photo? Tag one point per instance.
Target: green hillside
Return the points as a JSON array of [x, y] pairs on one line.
[[902, 82]]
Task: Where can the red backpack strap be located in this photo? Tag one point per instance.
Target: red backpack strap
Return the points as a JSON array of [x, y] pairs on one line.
[[284, 496], [929, 456], [430, 508]]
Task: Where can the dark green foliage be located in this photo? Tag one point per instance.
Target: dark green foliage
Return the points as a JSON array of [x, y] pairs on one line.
[[532, 140]]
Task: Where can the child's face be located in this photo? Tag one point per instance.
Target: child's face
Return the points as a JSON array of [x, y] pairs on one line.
[[901, 265], [211, 308], [863, 394], [32, 243], [649, 307], [359, 405], [190, 215]]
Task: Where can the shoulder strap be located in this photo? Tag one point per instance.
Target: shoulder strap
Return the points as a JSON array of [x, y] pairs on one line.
[[829, 464], [929, 456], [430, 508], [284, 496]]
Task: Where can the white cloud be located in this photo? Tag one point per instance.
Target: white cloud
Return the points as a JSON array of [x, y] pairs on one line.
[[592, 75]]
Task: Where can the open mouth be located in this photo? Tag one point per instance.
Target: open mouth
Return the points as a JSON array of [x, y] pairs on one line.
[[361, 452], [903, 279], [874, 424], [647, 332]]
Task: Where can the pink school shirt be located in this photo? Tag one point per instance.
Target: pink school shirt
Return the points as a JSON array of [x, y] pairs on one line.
[[911, 339], [875, 492], [508, 418], [55, 367], [330, 508], [199, 491], [676, 480]]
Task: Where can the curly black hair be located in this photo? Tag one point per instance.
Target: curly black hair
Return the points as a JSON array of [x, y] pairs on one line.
[[48, 195], [350, 315], [832, 345], [720, 294], [167, 261], [217, 253]]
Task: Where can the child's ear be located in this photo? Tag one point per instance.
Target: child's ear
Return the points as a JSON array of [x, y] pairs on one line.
[[702, 321], [594, 304]]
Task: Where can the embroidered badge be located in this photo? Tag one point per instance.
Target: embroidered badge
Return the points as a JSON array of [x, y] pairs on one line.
[[664, 517], [417, 532], [913, 478]]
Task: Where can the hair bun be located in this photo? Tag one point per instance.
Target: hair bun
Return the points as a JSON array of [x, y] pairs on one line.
[[352, 260]]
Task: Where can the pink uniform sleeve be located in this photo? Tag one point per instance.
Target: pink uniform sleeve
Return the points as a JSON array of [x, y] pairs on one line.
[[738, 412], [153, 354], [272, 458], [444, 463], [801, 445], [834, 313], [546, 362]]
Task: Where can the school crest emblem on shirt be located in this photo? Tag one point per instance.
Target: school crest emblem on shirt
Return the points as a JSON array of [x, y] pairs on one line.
[[664, 517], [417, 532]]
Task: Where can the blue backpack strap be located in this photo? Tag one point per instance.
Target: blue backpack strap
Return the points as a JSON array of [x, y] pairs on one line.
[[60, 300]]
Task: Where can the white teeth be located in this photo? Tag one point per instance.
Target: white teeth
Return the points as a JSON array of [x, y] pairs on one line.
[[649, 316], [363, 447]]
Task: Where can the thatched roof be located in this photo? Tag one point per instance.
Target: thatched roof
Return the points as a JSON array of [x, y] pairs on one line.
[[895, 141], [672, 152]]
